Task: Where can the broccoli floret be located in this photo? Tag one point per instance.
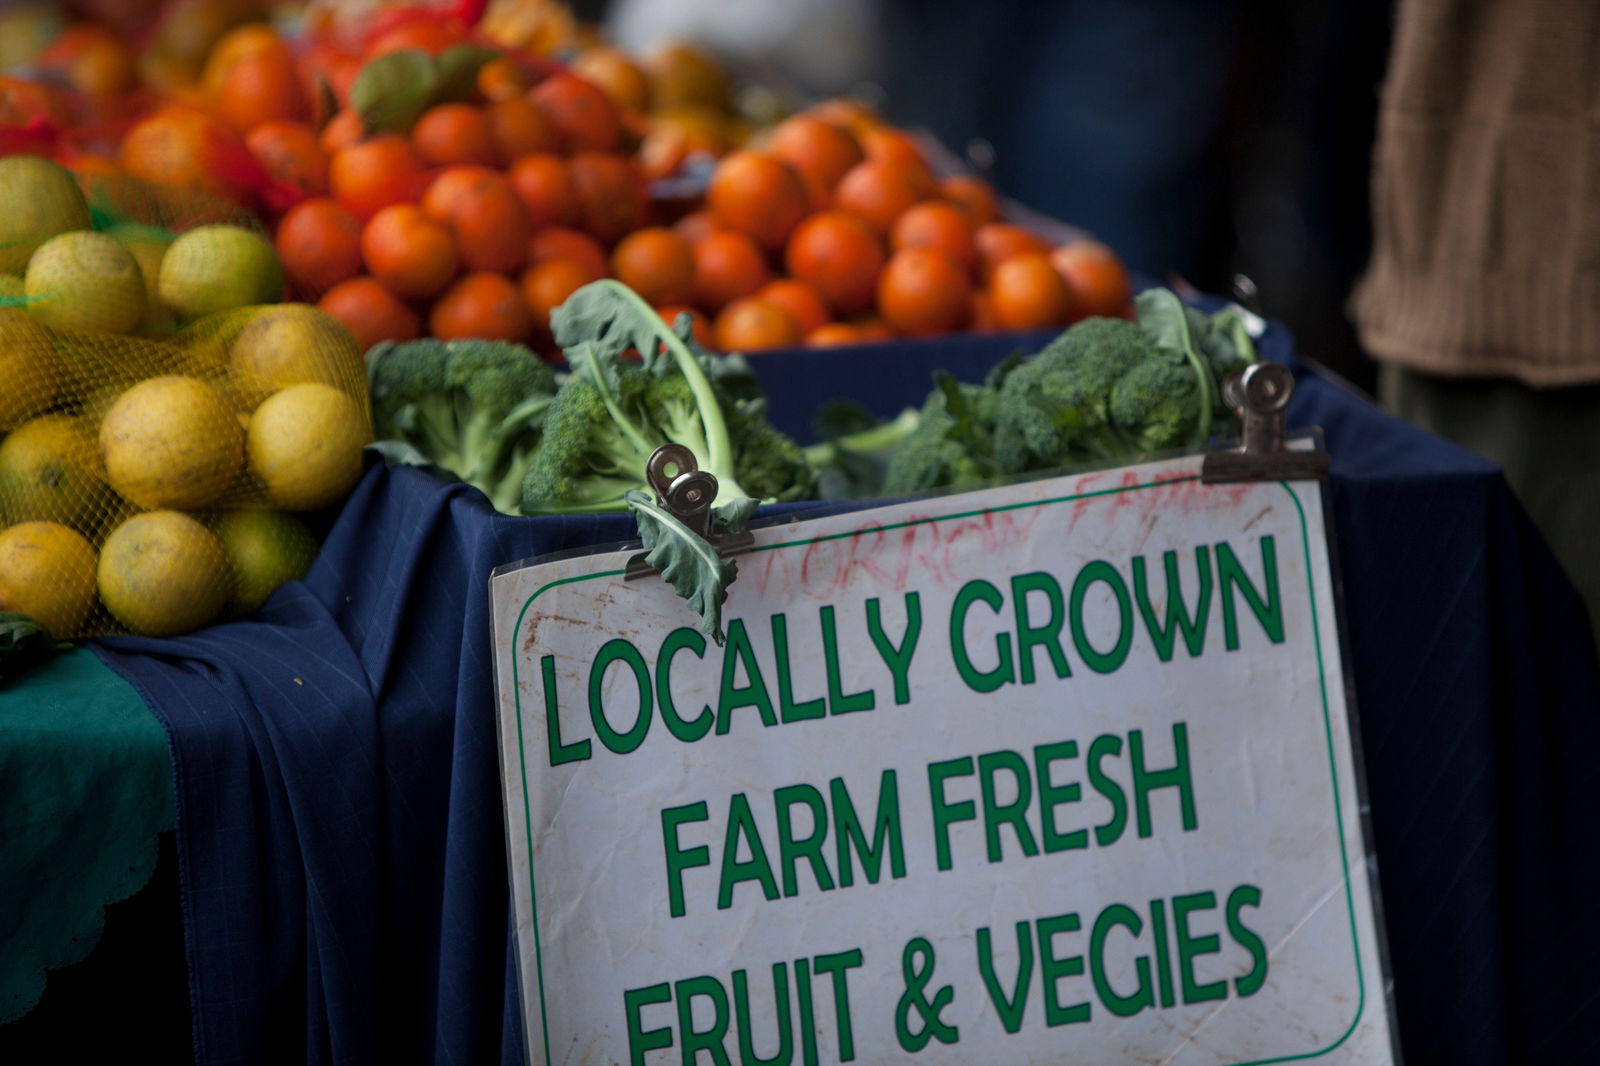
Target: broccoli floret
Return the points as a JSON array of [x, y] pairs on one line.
[[952, 443], [1156, 405], [473, 407], [1054, 408], [612, 414]]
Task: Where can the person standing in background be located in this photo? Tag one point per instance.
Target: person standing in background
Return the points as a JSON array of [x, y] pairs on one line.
[[1481, 301]]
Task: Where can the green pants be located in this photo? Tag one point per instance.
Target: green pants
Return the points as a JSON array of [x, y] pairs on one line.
[[1546, 440]]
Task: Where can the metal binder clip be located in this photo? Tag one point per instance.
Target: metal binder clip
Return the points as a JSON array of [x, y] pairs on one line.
[[1258, 395], [687, 494]]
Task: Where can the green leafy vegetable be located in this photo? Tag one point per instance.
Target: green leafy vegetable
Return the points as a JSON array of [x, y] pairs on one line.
[[690, 563]]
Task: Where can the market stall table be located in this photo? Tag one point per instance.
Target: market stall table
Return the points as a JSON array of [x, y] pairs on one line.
[[342, 863]]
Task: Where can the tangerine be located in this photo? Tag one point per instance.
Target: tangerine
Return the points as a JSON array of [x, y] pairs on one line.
[[657, 264], [1028, 293], [881, 190], [291, 156], [838, 254], [563, 242], [751, 324], [612, 199], [974, 195], [546, 286], [699, 324], [546, 190], [759, 195], [319, 242], [372, 174], [801, 299], [999, 241], [583, 115], [937, 224], [408, 252], [189, 149], [924, 291], [484, 213], [618, 76], [518, 128], [371, 312], [448, 134], [1098, 281], [727, 265], [820, 152], [481, 305]]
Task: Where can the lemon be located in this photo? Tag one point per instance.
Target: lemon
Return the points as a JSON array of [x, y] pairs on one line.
[[50, 469], [30, 368], [288, 344], [265, 548], [47, 573], [85, 281], [305, 444], [171, 441], [219, 268], [148, 247], [162, 573], [38, 200]]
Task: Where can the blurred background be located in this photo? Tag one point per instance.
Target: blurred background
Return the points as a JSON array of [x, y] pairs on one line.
[[1201, 139]]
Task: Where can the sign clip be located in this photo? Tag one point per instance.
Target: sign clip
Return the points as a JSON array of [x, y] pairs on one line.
[[1258, 395], [686, 492]]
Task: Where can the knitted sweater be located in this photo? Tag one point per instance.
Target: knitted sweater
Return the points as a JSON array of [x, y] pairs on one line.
[[1486, 193]]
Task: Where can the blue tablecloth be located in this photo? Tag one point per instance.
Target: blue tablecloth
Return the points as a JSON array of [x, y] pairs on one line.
[[339, 812]]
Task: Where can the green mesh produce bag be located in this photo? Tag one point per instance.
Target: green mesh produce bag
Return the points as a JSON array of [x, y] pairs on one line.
[[162, 415]]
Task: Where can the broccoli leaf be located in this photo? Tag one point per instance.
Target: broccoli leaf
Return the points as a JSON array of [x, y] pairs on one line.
[[1163, 316], [687, 561]]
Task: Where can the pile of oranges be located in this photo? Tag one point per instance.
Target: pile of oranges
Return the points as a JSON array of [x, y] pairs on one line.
[[829, 227]]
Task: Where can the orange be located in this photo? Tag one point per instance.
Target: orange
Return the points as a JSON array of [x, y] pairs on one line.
[[343, 129], [319, 243], [657, 264], [259, 86], [189, 149], [937, 224], [547, 285], [1029, 294], [447, 134], [727, 265], [759, 195], [93, 59], [481, 305], [696, 225], [700, 324], [485, 214], [838, 254], [820, 152], [833, 335], [368, 176], [683, 75], [923, 291], [853, 115], [424, 34], [563, 242], [974, 195], [751, 324], [999, 241], [881, 190], [370, 312], [1096, 278], [409, 253], [612, 199], [882, 142], [619, 77], [518, 128], [801, 299], [583, 115], [545, 188], [290, 154], [503, 78]]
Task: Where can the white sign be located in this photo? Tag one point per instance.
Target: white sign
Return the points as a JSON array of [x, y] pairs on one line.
[[1054, 773]]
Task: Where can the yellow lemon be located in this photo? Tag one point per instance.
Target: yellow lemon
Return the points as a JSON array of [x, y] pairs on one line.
[[85, 281], [50, 469], [47, 573], [219, 268], [289, 344], [305, 444], [38, 200], [30, 368], [265, 548], [148, 247], [171, 441], [162, 573]]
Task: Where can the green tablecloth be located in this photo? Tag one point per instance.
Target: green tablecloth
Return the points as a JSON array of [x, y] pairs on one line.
[[85, 787]]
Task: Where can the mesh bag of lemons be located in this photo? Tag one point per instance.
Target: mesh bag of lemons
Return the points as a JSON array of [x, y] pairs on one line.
[[165, 422]]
